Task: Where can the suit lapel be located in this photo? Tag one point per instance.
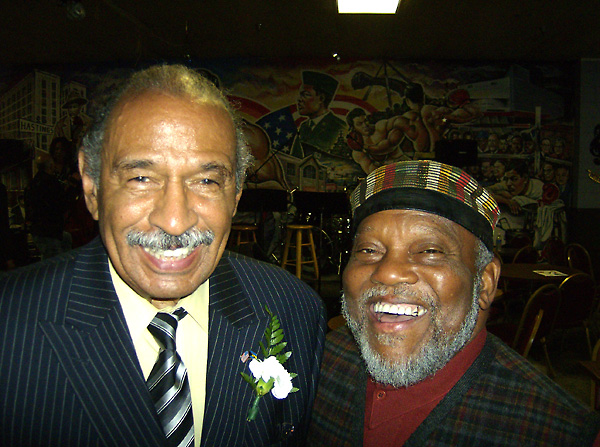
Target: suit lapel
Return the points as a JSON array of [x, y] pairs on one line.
[[95, 349], [235, 327]]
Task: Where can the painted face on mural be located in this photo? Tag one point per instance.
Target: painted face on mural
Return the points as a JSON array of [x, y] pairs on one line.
[[516, 144], [499, 169], [559, 148], [515, 183], [561, 175], [486, 169], [546, 146], [74, 109], [363, 126], [548, 172], [492, 142], [309, 102]]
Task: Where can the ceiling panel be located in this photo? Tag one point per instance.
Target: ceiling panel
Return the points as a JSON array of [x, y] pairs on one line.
[[39, 32]]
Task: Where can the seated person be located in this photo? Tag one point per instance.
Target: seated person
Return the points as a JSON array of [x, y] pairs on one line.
[[415, 365]]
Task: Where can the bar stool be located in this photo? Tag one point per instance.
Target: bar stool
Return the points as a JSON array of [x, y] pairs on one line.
[[242, 234], [297, 230]]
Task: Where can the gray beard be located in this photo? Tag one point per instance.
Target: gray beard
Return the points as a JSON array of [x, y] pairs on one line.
[[432, 357]]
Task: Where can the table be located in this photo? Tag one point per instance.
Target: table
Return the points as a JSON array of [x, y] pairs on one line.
[[528, 272], [525, 276]]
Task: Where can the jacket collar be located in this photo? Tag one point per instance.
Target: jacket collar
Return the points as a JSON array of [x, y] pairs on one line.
[[227, 295]]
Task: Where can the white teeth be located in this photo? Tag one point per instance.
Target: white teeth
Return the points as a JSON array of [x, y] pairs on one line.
[[399, 309], [169, 255]]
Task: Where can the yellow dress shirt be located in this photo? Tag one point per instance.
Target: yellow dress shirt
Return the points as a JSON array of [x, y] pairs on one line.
[[191, 338]]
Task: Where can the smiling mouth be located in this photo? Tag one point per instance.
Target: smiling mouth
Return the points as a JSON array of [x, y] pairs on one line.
[[169, 255], [396, 313]]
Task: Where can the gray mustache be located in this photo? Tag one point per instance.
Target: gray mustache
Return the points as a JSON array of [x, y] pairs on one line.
[[161, 240]]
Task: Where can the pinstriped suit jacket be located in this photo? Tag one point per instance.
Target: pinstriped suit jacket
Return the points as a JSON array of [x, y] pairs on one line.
[[69, 373]]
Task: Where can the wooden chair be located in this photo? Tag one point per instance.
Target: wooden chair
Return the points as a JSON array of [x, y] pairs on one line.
[[578, 305], [526, 255], [579, 258], [535, 325], [554, 251], [519, 239], [516, 292], [592, 367]]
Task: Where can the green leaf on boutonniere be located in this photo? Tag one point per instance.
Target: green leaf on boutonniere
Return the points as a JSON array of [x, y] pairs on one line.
[[277, 349], [279, 380], [249, 379], [263, 349], [282, 358], [276, 337]]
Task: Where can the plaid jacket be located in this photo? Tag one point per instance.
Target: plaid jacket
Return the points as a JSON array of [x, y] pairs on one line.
[[502, 400]]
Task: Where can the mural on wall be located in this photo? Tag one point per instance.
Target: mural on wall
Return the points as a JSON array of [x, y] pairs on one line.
[[322, 127]]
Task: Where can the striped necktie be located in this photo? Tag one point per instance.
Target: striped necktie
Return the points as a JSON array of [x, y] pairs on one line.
[[168, 382]]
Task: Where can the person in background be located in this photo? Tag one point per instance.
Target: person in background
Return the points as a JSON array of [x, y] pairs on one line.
[[87, 335], [7, 258], [499, 169], [74, 123], [565, 187], [415, 365], [46, 204]]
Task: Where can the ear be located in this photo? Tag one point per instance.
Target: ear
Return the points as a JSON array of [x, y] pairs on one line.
[[489, 283], [238, 196], [90, 189]]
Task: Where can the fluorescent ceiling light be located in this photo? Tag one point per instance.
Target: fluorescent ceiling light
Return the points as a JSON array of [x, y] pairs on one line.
[[367, 6]]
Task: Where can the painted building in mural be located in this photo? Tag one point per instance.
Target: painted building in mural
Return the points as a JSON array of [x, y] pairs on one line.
[[321, 128]]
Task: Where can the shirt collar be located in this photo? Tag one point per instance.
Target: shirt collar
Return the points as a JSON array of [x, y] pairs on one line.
[[139, 312], [440, 383]]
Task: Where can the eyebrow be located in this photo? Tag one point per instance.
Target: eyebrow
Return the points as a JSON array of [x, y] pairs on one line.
[[129, 165], [219, 167]]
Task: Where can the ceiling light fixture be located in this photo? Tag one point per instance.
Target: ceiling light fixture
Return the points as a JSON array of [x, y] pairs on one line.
[[367, 6], [75, 10]]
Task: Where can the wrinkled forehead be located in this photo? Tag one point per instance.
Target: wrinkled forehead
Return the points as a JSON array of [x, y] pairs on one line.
[[160, 103], [136, 117]]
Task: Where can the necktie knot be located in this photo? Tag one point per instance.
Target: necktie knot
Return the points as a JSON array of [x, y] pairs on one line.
[[164, 326]]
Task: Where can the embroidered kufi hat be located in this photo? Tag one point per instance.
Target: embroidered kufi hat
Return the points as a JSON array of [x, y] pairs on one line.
[[428, 186]]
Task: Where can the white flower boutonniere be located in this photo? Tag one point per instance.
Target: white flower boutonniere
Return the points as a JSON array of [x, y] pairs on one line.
[[269, 374]]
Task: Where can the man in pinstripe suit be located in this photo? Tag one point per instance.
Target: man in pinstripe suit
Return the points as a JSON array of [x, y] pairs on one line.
[[162, 172]]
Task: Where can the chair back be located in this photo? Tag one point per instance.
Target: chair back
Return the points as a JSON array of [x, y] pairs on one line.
[[579, 258], [538, 318], [554, 251], [526, 255], [518, 239], [595, 391], [578, 300]]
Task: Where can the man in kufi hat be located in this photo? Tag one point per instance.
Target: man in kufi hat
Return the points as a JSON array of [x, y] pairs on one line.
[[415, 365]]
